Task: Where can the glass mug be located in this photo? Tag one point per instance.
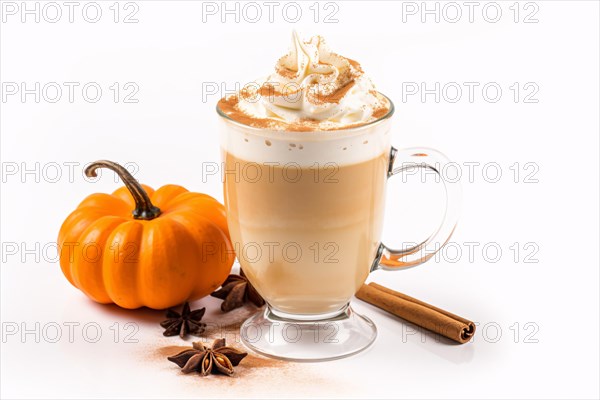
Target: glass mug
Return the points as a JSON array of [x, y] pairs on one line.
[[305, 215]]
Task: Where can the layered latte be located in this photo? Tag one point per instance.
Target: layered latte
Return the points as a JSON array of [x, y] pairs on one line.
[[306, 154]]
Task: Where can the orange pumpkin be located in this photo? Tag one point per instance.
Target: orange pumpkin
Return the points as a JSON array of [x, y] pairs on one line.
[[173, 247]]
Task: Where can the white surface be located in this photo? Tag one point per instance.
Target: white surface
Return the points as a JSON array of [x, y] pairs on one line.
[[170, 52]]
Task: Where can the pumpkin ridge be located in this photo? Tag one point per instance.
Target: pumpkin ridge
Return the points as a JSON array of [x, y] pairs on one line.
[[183, 199], [199, 214], [164, 196], [224, 257], [218, 215], [101, 210], [69, 232], [157, 250], [94, 288], [117, 270], [185, 203], [103, 201]]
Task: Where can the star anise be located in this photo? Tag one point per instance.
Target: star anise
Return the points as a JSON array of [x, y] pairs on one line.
[[235, 291], [184, 323], [206, 360]]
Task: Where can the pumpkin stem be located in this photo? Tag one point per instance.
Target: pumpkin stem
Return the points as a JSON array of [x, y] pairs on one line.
[[144, 209]]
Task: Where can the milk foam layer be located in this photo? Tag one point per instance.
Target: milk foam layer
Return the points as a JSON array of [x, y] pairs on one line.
[[312, 88], [304, 149]]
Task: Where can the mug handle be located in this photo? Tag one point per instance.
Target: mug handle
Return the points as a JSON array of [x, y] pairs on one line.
[[428, 159]]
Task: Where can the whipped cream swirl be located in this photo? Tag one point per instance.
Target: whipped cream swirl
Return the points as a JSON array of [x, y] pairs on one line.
[[312, 86]]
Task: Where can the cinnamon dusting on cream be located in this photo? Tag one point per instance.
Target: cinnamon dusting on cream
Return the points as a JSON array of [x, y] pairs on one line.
[[311, 89]]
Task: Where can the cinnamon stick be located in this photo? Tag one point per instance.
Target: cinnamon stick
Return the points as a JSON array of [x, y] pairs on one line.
[[418, 312]]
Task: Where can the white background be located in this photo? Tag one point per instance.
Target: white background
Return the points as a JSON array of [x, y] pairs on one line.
[[171, 54]]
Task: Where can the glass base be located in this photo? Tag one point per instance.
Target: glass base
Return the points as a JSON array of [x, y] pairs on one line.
[[286, 337]]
